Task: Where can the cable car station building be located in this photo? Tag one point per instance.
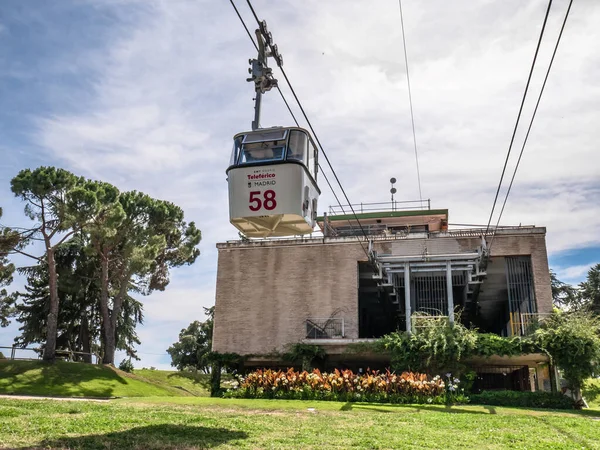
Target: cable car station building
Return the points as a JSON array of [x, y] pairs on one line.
[[357, 282]]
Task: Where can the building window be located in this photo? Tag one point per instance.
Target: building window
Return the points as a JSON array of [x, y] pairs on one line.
[[522, 306]]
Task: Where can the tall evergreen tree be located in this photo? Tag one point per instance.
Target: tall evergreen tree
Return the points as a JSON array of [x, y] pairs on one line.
[[564, 295], [61, 204], [590, 289], [136, 249], [79, 319]]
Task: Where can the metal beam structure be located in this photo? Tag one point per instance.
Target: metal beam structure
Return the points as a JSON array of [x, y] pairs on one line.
[[449, 292], [423, 279], [407, 297]]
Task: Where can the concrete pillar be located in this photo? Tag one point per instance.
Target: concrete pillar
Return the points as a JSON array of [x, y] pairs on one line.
[[450, 294], [407, 297], [532, 379], [543, 373]]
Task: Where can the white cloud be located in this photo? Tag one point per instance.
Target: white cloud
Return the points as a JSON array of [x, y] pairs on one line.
[[574, 274]]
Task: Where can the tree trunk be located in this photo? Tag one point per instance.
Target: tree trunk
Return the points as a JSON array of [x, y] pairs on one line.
[[84, 338], [215, 379], [107, 333], [116, 311], [52, 325], [110, 320]]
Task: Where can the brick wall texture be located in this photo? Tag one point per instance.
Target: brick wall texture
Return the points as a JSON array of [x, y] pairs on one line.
[[266, 291]]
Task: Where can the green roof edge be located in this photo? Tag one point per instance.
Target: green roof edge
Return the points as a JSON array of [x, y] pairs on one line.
[[384, 214]]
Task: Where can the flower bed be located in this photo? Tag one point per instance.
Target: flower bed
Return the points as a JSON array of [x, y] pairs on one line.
[[345, 385]]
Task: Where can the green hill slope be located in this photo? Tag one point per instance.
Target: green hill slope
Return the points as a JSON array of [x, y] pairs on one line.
[[69, 379], [186, 383]]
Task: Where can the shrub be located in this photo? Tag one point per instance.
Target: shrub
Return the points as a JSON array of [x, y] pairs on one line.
[[345, 385], [573, 342], [2, 356], [549, 400], [591, 392], [126, 366], [434, 347], [306, 354]]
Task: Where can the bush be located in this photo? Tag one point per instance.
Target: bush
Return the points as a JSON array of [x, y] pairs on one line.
[[434, 347], [126, 366], [306, 354], [2, 356], [549, 400], [573, 342], [347, 386], [591, 392]]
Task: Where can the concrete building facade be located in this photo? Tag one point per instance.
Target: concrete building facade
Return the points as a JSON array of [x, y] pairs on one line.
[[327, 290]]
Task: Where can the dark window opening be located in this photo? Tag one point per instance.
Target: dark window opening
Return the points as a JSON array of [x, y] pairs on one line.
[[507, 378], [381, 308], [506, 303]]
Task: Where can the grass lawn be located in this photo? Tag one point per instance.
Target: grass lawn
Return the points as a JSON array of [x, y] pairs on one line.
[[68, 379], [194, 423]]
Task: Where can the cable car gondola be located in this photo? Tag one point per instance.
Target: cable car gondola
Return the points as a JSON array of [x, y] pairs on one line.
[[272, 182], [272, 173]]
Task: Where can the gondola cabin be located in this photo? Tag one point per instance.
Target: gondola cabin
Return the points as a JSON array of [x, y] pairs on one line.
[[272, 178]]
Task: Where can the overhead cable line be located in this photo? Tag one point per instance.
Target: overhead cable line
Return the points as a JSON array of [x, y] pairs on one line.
[[256, 47], [412, 116], [298, 101], [311, 127], [285, 101], [532, 118], [519, 115]]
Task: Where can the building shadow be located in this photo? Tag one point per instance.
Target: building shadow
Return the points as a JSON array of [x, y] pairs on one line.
[[414, 408], [490, 409], [163, 436]]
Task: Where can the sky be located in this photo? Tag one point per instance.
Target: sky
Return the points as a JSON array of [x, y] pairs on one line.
[[147, 95]]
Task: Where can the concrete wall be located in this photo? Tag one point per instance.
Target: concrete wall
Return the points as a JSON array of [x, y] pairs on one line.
[[533, 244], [265, 294], [266, 290]]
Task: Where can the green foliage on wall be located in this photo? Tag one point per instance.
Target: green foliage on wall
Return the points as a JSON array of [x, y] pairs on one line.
[[306, 354], [571, 340], [434, 347]]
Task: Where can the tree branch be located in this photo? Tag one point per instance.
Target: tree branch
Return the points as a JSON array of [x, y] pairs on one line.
[[26, 254], [69, 234]]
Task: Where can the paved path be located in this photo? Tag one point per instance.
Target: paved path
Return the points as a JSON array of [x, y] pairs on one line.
[[68, 399]]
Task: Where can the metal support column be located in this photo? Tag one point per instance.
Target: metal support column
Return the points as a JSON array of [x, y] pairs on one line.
[[449, 291], [407, 296], [257, 108]]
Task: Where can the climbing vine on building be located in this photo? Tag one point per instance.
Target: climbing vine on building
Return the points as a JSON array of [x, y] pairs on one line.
[[571, 340]]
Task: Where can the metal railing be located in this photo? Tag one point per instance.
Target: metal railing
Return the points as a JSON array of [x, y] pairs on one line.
[[523, 324], [330, 328], [381, 206], [383, 236], [425, 319], [36, 353]]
